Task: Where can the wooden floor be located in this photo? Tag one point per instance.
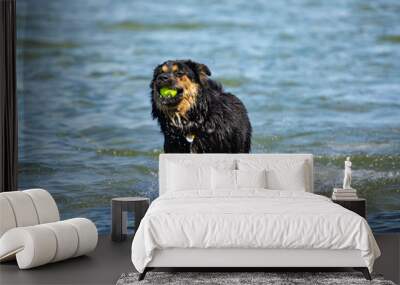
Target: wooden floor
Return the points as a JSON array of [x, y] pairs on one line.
[[110, 260]]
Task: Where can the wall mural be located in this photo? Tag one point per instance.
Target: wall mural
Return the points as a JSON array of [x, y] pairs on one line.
[[311, 77]]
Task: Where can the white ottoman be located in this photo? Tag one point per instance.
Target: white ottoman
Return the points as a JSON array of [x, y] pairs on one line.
[[31, 232]]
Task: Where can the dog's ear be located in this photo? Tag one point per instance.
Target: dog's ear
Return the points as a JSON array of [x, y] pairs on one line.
[[156, 72], [203, 69], [200, 69]]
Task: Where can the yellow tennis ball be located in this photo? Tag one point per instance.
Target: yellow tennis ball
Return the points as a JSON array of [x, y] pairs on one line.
[[167, 92]]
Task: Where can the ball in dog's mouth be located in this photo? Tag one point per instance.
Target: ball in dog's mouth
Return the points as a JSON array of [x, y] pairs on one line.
[[169, 96], [166, 92]]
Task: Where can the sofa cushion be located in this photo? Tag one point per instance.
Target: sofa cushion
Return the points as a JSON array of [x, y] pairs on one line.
[[26, 208], [46, 207], [7, 220], [23, 208]]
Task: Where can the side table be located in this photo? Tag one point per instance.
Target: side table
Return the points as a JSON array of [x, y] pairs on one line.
[[358, 206], [119, 212]]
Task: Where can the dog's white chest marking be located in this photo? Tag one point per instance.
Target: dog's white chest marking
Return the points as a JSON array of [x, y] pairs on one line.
[[190, 138]]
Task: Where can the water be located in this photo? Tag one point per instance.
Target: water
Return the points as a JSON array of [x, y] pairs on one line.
[[318, 77]]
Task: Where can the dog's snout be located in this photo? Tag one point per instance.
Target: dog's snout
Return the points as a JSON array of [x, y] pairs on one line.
[[164, 77]]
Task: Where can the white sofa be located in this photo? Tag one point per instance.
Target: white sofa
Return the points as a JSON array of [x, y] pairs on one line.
[[31, 230]]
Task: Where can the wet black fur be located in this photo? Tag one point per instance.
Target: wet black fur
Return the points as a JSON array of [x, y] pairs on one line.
[[219, 119]]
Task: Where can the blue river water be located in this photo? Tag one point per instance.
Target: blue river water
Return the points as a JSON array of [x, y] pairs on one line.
[[319, 77]]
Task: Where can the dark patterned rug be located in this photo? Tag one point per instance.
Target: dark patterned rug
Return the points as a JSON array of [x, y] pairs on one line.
[[230, 278]]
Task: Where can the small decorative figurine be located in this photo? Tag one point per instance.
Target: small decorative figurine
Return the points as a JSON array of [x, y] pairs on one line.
[[347, 174]]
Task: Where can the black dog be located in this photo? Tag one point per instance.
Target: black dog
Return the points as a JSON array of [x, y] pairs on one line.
[[199, 117]]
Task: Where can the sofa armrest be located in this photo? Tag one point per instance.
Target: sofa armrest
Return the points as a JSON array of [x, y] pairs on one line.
[[32, 246], [40, 244]]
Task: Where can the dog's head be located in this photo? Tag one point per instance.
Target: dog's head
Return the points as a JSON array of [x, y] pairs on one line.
[[176, 85]]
